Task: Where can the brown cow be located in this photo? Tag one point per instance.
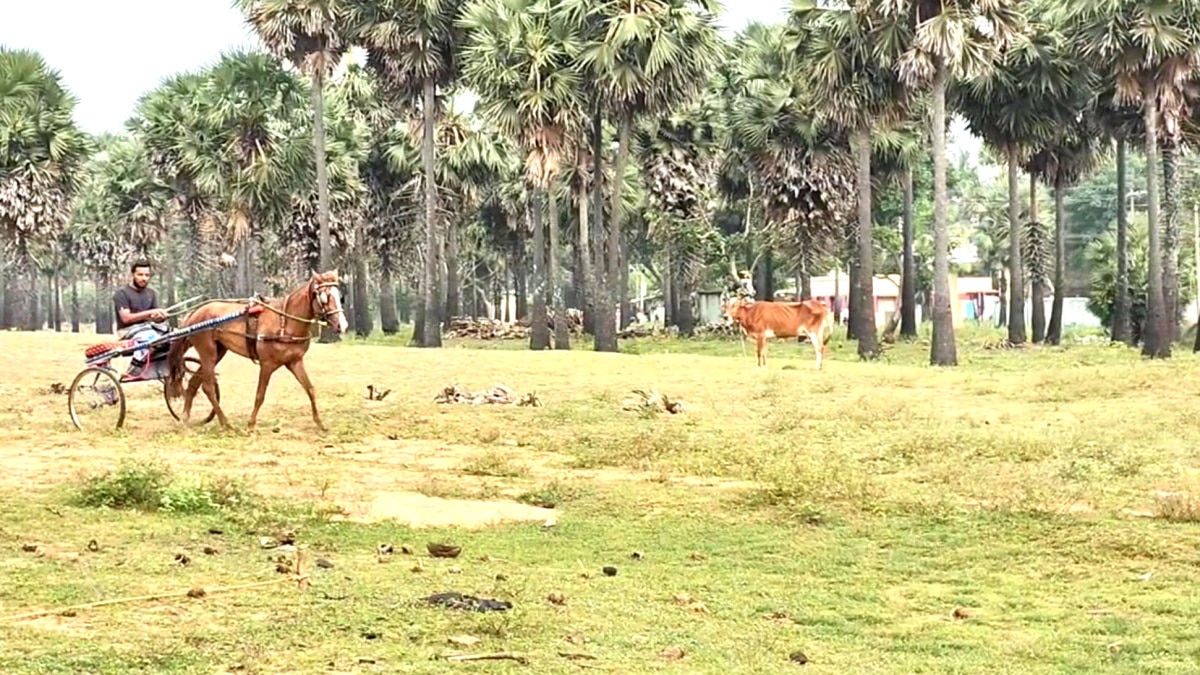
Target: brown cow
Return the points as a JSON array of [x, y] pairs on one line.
[[761, 320]]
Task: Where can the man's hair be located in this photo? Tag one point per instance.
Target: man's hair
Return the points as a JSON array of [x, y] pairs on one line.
[[140, 262]]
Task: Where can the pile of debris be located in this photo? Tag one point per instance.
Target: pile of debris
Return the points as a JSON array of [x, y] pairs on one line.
[[719, 329], [651, 401], [497, 395], [483, 328]]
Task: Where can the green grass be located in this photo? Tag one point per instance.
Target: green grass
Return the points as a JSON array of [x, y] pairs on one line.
[[1050, 494]]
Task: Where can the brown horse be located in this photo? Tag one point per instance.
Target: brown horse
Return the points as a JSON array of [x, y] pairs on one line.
[[274, 333]]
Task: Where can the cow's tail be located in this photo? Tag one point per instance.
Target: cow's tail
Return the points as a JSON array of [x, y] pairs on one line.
[[175, 368], [827, 327]]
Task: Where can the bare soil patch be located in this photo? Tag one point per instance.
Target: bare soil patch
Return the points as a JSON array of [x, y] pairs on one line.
[[419, 482]]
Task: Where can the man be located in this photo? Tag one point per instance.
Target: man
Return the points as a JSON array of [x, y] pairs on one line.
[[136, 306]]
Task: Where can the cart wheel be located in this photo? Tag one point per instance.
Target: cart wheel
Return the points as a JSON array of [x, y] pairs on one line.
[[191, 366], [96, 396]]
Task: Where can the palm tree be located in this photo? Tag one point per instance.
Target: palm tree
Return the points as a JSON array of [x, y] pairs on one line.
[[1060, 164], [897, 151], [1119, 122], [850, 58], [519, 58], [677, 156], [413, 46], [306, 34], [1153, 50], [41, 168], [1013, 109], [643, 58], [943, 40], [779, 157]]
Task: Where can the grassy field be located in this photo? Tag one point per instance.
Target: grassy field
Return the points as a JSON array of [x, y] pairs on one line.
[[1032, 511]]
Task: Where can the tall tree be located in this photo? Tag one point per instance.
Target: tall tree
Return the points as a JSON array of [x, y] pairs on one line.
[[1153, 49], [851, 60], [41, 168], [413, 45], [1013, 108], [943, 40], [644, 58], [306, 34], [520, 58]]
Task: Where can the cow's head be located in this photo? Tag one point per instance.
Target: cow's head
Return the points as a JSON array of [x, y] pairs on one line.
[[733, 308]]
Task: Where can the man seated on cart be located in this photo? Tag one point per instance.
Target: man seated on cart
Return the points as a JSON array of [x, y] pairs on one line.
[[137, 309]]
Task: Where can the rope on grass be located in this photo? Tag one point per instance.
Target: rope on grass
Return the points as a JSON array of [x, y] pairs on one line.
[[300, 577]]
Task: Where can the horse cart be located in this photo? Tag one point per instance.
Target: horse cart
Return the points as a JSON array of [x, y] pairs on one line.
[[99, 389]]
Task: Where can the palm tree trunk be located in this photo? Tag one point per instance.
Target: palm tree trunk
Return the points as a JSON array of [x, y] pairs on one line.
[[56, 313], [584, 283], [328, 334], [942, 350], [1054, 333], [624, 299], [1157, 340], [606, 334], [908, 274], [431, 336], [24, 291], [1170, 242], [1121, 324], [562, 327], [416, 305], [1038, 282], [605, 331], [852, 303], [1016, 271], [453, 282], [539, 326], [363, 324], [387, 297], [868, 340], [75, 315], [520, 271]]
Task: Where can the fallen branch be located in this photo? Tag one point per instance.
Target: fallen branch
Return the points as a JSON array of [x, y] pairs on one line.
[[498, 656], [652, 402], [497, 395], [300, 577]]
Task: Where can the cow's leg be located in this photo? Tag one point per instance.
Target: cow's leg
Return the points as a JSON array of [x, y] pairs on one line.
[[818, 347], [761, 350]]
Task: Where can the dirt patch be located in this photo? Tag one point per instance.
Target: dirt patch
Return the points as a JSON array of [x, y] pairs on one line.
[[54, 623], [419, 511]]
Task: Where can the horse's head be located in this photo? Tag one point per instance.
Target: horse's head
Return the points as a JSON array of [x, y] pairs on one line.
[[326, 296]]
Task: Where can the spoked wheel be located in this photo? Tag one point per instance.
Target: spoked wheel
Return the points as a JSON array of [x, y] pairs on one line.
[[191, 366], [96, 400]]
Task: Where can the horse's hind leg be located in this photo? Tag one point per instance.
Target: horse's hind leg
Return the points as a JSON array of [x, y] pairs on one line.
[[297, 369], [208, 375]]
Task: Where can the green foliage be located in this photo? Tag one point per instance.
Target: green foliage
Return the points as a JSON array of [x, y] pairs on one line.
[[150, 486], [42, 151], [1101, 257]]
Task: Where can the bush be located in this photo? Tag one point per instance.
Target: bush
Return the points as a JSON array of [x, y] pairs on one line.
[[147, 486]]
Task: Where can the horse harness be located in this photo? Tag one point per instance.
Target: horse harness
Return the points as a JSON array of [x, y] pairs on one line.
[[259, 303]]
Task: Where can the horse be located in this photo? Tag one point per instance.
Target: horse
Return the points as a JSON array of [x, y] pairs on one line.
[[274, 333]]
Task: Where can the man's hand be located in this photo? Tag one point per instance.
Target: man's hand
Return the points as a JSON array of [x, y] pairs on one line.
[[158, 315]]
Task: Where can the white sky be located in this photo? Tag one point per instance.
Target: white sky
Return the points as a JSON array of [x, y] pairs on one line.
[[110, 52]]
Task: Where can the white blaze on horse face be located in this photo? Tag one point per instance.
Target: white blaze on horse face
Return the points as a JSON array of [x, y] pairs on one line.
[[342, 324]]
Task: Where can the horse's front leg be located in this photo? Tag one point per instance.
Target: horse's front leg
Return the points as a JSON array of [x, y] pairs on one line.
[[297, 369], [265, 370]]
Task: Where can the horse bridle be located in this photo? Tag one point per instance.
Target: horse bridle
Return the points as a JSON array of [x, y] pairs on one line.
[[320, 301]]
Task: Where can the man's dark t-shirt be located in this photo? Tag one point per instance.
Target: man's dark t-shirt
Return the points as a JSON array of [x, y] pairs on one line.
[[134, 300]]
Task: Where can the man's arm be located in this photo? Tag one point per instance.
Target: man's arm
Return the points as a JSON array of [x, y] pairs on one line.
[[128, 316]]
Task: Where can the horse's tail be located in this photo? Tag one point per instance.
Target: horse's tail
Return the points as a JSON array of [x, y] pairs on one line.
[[175, 368]]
